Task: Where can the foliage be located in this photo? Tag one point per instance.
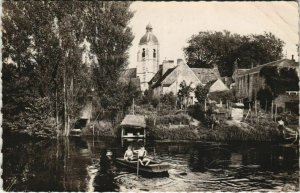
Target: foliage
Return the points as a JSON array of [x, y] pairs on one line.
[[101, 128], [222, 95], [120, 96], [177, 133], [168, 99], [201, 93], [173, 119], [155, 102], [42, 54], [226, 49], [265, 97], [184, 93], [280, 79]]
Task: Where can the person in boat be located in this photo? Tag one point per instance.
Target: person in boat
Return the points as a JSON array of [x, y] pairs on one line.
[[128, 154], [142, 156]]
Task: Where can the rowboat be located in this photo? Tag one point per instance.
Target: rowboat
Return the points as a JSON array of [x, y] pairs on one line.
[[152, 168]]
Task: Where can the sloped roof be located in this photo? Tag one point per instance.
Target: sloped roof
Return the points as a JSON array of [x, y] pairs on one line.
[[163, 77], [206, 75], [134, 121], [278, 63], [156, 77]]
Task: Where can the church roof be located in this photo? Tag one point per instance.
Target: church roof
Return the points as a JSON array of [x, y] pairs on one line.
[[206, 75], [149, 36]]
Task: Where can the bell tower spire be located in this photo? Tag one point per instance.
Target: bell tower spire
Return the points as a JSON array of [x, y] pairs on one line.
[[147, 57]]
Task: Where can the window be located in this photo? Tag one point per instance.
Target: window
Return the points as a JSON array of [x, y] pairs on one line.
[[154, 53], [143, 53]]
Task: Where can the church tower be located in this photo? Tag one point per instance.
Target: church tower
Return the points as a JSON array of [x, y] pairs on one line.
[[147, 57]]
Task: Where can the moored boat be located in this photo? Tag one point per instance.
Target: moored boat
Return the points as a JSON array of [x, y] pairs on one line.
[[152, 168]]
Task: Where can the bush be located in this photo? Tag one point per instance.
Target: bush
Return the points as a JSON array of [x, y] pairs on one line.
[[101, 128], [168, 119], [180, 133], [154, 102]]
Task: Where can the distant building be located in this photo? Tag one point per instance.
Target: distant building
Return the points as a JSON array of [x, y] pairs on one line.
[[206, 75], [248, 81], [147, 57], [169, 77]]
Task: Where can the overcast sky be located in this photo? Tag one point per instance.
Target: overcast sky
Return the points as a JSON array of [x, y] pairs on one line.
[[175, 22]]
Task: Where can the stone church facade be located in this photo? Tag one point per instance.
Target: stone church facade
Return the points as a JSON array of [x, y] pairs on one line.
[[147, 58]]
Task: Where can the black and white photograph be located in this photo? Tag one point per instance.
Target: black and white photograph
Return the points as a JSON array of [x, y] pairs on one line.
[[150, 96]]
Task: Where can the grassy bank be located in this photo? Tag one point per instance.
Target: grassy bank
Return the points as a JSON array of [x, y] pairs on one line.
[[226, 131]]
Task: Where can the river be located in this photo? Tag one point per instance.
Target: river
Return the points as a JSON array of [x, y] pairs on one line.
[[72, 164]]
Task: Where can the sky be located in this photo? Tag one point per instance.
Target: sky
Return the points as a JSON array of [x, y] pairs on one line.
[[175, 22]]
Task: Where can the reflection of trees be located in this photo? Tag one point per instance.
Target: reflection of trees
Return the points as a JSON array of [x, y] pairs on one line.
[[46, 165], [205, 157], [271, 157]]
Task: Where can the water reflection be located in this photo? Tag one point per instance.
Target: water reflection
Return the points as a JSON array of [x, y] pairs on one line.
[[81, 164]]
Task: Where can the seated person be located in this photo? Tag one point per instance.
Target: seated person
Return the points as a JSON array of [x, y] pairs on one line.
[[142, 153], [128, 154]]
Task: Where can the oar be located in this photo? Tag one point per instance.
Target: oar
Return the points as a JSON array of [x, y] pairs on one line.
[[137, 168]]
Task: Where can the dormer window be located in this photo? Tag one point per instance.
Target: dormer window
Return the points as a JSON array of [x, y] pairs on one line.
[[143, 53], [154, 53]]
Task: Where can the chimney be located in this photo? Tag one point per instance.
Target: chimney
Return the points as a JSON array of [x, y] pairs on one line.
[[293, 57], [167, 64], [179, 61]]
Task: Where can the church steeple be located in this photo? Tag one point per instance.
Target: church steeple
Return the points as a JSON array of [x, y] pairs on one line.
[[147, 57], [149, 28]]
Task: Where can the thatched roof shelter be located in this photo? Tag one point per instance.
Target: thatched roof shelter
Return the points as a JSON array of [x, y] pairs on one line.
[[134, 121]]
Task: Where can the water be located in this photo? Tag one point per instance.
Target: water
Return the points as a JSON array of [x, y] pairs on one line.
[[73, 164]]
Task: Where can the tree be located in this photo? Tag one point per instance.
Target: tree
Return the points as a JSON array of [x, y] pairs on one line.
[[184, 93], [168, 99], [42, 53], [280, 79], [224, 48], [201, 93]]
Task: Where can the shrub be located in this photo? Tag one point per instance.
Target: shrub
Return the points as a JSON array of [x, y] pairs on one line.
[[101, 128], [168, 119], [179, 133]]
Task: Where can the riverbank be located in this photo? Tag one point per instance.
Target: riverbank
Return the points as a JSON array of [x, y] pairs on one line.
[[172, 127], [226, 131]]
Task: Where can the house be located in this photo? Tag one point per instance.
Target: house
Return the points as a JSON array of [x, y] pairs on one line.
[[206, 75], [216, 86], [169, 77], [249, 81]]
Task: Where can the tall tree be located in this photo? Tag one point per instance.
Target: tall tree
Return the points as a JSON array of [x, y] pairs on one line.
[[225, 49], [42, 53], [184, 93]]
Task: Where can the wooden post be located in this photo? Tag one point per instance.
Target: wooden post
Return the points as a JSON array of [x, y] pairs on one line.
[[256, 108], [275, 112], [272, 110], [137, 168], [250, 113], [93, 130]]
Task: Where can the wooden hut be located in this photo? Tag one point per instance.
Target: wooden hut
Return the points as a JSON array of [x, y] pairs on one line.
[[133, 126]]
